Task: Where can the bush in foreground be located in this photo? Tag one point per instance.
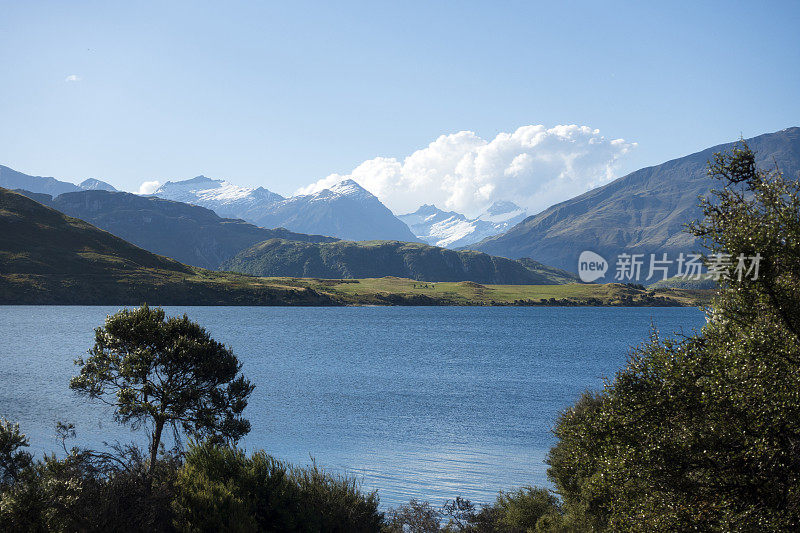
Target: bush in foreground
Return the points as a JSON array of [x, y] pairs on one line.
[[524, 510], [222, 489], [213, 488], [86, 491], [703, 433]]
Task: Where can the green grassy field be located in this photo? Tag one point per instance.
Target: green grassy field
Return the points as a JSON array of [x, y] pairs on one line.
[[399, 291]]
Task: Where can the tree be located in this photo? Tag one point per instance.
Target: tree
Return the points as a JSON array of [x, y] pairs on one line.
[[703, 433], [520, 510], [160, 371], [13, 460]]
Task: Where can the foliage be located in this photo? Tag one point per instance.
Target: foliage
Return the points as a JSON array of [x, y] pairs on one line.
[[214, 488], [415, 517], [703, 433], [520, 511], [86, 491], [13, 460], [335, 503], [222, 489], [166, 372]]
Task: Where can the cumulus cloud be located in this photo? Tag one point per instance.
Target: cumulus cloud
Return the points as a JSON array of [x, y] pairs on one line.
[[534, 167], [148, 187], [72, 77]]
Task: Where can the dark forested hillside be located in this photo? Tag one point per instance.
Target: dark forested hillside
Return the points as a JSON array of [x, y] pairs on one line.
[[369, 259]]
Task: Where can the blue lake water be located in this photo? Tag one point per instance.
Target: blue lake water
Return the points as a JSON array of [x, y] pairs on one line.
[[418, 402]]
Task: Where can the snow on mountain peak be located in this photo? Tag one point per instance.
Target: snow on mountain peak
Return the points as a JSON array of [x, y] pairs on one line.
[[349, 187], [503, 212], [220, 195], [93, 184], [502, 206], [451, 229]]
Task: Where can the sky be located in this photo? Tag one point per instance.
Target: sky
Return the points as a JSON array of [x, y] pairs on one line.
[[460, 103]]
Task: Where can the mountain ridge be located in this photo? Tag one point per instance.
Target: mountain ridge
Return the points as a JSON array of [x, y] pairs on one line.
[[641, 212], [450, 229], [47, 257], [373, 259], [346, 210], [13, 179], [187, 233]]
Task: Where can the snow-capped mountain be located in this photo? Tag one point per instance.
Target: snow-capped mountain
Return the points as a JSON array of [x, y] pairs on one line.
[[503, 213], [346, 210], [92, 184], [453, 230], [224, 198]]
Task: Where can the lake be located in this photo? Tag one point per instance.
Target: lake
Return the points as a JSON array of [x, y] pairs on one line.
[[418, 402]]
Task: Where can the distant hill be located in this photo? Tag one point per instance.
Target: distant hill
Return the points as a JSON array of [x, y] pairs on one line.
[[556, 276], [346, 210], [47, 257], [453, 230], [190, 234], [372, 259], [11, 179], [643, 212]]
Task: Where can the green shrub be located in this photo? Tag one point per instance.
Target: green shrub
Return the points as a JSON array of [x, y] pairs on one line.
[[13, 460], [520, 510], [335, 503], [89, 492], [415, 517], [221, 488]]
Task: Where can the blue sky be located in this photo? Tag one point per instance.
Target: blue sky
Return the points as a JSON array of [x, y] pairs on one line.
[[284, 94]]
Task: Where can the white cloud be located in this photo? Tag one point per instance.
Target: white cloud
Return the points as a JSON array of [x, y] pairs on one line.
[[148, 187], [533, 167], [73, 77]]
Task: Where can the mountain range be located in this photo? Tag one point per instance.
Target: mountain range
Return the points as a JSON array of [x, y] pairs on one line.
[[47, 257], [11, 179], [190, 234], [642, 212], [449, 229], [346, 210], [198, 222], [197, 236]]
